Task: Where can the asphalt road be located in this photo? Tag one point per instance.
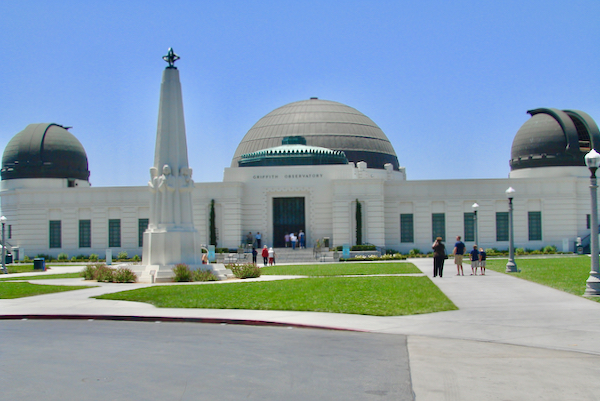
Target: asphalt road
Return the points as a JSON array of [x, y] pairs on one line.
[[106, 360]]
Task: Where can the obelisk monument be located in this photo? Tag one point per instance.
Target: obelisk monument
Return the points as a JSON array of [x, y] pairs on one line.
[[171, 237]]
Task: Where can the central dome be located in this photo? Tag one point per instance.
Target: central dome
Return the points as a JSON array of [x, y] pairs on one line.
[[323, 123]]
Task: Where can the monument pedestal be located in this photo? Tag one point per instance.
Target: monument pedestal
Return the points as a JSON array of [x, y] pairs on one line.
[[165, 248]]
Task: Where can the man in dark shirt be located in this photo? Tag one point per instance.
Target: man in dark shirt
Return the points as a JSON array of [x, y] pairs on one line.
[[459, 251], [474, 260]]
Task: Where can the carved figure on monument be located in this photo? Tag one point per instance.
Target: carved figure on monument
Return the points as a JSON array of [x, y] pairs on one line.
[[167, 192], [185, 188], [154, 196]]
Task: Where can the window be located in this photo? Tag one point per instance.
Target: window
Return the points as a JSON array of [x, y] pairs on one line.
[[588, 223], [501, 226], [406, 228], [114, 233], [469, 223], [142, 226], [55, 234], [535, 226], [85, 233], [438, 226], [9, 231]]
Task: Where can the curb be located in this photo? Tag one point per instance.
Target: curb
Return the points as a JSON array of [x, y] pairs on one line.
[[156, 319]]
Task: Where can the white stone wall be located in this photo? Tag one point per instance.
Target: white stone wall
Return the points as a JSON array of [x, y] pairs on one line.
[[244, 201]]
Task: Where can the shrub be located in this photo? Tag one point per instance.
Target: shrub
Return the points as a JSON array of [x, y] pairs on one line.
[[520, 251], [122, 255], [391, 252], [204, 275], [182, 273], [536, 252], [63, 257], [246, 270], [549, 249], [104, 274], [73, 259], [26, 259], [136, 258], [89, 273], [93, 257], [124, 275], [363, 248], [47, 258], [414, 252]]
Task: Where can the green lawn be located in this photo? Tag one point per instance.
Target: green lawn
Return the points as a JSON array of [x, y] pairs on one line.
[[19, 290], [567, 274], [42, 276], [20, 268], [379, 296], [340, 269]]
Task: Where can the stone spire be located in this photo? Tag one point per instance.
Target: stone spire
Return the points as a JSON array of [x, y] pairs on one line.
[[170, 177], [171, 144]]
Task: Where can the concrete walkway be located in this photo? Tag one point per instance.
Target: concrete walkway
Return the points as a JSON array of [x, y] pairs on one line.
[[510, 339]]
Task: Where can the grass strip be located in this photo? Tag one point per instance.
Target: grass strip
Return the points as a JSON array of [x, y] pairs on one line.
[[566, 274], [20, 268], [20, 290], [340, 269], [42, 277], [378, 296]]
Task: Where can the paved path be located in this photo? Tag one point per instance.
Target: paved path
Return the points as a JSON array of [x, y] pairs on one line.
[[509, 340]]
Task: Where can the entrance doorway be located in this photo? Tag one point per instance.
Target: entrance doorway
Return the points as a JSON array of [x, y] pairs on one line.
[[288, 217]]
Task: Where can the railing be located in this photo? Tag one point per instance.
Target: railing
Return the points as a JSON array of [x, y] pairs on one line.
[[585, 243]]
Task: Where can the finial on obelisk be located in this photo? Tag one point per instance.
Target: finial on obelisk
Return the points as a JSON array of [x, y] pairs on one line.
[[171, 58]]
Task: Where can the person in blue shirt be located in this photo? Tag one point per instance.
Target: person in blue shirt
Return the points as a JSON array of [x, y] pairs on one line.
[[474, 260], [258, 239], [482, 257], [458, 252]]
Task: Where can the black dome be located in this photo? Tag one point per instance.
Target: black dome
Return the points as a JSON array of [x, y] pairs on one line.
[[554, 138], [44, 151]]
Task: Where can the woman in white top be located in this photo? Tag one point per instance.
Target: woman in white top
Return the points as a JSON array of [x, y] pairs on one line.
[[271, 257]]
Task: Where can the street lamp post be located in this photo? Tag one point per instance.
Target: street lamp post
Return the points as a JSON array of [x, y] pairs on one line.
[[475, 206], [592, 160], [3, 220], [511, 266]]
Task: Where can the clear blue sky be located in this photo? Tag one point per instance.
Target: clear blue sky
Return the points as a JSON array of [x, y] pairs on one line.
[[449, 82]]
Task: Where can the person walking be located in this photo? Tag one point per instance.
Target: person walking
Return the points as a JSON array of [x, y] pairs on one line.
[[293, 239], [301, 239], [482, 257], [439, 254], [265, 255], [254, 254], [258, 239], [474, 260], [286, 237], [458, 252], [271, 257]]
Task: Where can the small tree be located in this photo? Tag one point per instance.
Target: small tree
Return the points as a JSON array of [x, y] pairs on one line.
[[358, 223], [213, 228]]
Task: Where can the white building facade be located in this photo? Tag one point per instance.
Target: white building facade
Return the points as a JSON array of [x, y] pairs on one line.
[[305, 166]]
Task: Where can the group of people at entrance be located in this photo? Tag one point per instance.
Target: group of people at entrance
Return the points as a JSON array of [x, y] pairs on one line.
[[478, 257], [254, 240], [300, 240], [268, 255]]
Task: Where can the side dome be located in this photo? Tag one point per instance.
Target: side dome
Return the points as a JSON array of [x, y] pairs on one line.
[[44, 151], [325, 124], [552, 137]]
